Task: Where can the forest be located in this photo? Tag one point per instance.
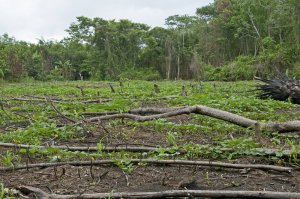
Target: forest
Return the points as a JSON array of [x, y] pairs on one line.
[[226, 40]]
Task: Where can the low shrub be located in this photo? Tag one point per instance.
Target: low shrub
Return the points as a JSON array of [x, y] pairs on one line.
[[140, 74], [240, 69]]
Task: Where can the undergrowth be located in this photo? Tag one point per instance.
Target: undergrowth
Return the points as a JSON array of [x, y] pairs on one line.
[[37, 123]]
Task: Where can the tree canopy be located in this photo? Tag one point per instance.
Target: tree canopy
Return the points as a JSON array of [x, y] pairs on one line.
[[225, 40]]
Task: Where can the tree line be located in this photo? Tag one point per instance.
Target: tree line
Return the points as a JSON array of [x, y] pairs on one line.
[[226, 40]]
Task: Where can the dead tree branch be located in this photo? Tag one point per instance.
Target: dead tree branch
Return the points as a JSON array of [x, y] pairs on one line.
[[30, 100], [163, 194], [155, 162], [83, 148], [291, 126], [138, 111], [69, 101], [140, 149], [59, 113]]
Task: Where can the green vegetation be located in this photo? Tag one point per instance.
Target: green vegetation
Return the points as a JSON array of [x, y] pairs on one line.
[[226, 40], [4, 192], [35, 121]]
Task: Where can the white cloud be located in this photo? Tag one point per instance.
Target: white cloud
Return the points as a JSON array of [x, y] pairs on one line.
[[30, 20]]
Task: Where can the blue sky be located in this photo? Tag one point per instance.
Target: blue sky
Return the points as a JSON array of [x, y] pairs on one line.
[[30, 20]]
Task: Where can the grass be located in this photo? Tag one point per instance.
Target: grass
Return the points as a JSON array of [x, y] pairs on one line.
[[34, 122]]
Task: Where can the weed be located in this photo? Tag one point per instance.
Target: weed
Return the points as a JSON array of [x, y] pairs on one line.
[[10, 159], [172, 138], [125, 165]]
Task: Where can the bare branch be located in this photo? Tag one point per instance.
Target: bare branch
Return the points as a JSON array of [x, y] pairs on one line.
[[163, 194], [141, 149], [155, 162], [69, 101], [291, 126], [84, 148], [58, 112], [138, 111]]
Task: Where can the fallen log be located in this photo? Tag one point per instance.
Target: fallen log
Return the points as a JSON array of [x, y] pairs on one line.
[[290, 126], [154, 162], [69, 101], [142, 149], [84, 148], [138, 111], [26, 190]]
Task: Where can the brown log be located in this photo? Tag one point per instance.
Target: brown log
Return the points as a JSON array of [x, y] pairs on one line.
[[290, 126], [198, 109], [163, 194]]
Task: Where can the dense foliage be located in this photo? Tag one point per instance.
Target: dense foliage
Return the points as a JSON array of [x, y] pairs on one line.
[[226, 40]]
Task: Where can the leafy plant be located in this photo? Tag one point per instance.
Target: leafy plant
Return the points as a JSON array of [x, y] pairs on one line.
[[125, 165], [4, 192], [172, 138], [239, 145], [10, 159], [100, 146]]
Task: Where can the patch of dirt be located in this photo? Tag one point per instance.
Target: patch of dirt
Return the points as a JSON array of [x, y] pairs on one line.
[[71, 180]]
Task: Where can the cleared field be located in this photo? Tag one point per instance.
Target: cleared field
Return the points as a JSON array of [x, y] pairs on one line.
[[101, 137]]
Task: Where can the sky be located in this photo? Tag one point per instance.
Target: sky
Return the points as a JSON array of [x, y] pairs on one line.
[[30, 20]]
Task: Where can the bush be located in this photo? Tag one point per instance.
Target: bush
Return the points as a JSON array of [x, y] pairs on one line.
[[295, 71], [140, 74], [55, 74], [240, 69], [275, 59]]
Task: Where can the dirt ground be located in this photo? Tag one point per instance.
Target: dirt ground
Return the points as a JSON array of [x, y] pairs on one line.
[[70, 179], [74, 180]]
